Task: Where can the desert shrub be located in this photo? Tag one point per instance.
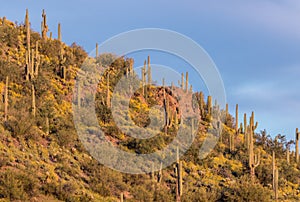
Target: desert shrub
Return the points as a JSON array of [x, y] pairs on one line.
[[246, 190]]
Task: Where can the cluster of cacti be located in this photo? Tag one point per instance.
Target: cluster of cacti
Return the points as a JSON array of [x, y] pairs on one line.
[[32, 58], [254, 159], [129, 70], [159, 174], [184, 85], [44, 26], [178, 173], [33, 61], [297, 145], [168, 112], [146, 71], [6, 100]]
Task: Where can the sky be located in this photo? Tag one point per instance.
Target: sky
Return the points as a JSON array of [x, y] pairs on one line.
[[254, 44]]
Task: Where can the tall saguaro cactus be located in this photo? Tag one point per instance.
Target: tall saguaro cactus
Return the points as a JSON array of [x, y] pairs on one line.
[[178, 172], [254, 159], [246, 143], [236, 118], [121, 197], [6, 100], [27, 27], [108, 92], [186, 82], [59, 32], [275, 176], [28, 54], [209, 105], [97, 50], [33, 101], [144, 78], [201, 104], [276, 184], [297, 145], [182, 81], [44, 25], [37, 59], [232, 136], [149, 72], [273, 168]]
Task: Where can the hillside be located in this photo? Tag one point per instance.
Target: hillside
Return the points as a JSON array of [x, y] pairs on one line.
[[42, 158]]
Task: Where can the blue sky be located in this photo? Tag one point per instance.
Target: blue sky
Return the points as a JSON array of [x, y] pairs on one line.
[[255, 44]]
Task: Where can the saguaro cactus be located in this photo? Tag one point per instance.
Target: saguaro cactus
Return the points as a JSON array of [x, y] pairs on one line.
[[28, 54], [232, 137], [121, 197], [37, 59], [47, 126], [131, 62], [246, 144], [149, 73], [236, 118], [201, 104], [33, 101], [273, 167], [276, 184], [27, 27], [297, 146], [3, 20], [97, 50], [178, 172], [186, 82], [182, 81], [59, 32], [144, 78], [254, 159], [226, 111], [6, 100], [159, 175], [108, 92], [288, 155], [275, 176], [209, 105], [44, 25]]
